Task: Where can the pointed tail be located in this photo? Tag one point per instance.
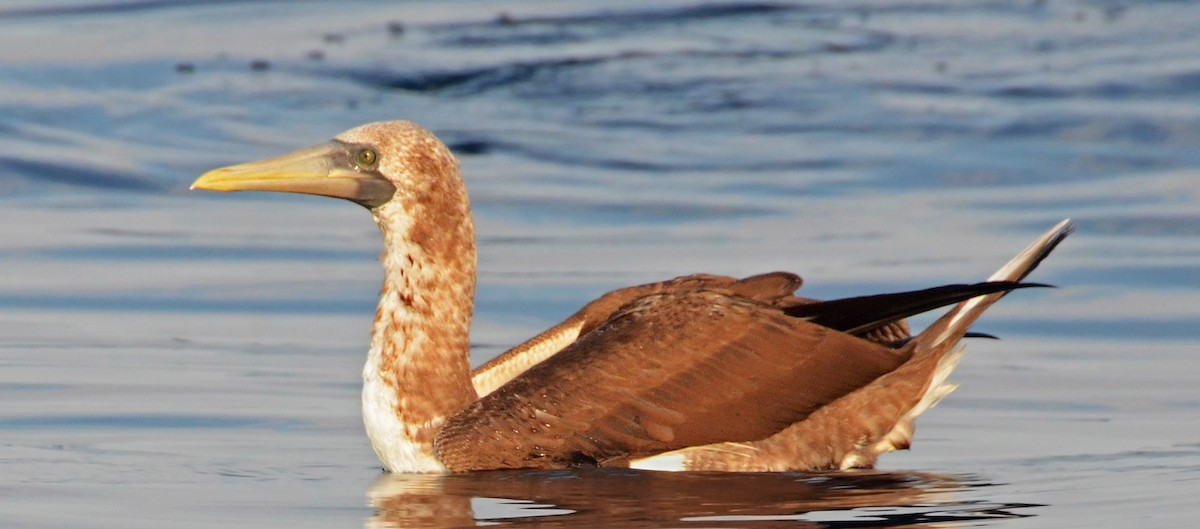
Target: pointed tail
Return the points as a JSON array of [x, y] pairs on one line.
[[938, 345], [951, 327]]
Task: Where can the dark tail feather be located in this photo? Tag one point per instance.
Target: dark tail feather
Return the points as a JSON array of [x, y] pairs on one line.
[[865, 313]]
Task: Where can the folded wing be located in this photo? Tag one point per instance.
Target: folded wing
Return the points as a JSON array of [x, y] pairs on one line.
[[669, 371]]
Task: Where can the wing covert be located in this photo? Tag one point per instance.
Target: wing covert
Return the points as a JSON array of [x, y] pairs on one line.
[[668, 371], [769, 287]]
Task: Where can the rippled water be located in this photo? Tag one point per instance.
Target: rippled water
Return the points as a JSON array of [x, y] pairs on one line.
[[193, 359]]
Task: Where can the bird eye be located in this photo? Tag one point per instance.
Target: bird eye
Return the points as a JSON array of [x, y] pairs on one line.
[[366, 158]]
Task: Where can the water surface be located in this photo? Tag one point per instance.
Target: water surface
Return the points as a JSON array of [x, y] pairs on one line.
[[195, 357]]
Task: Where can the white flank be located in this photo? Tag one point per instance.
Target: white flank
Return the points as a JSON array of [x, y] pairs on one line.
[[665, 462]]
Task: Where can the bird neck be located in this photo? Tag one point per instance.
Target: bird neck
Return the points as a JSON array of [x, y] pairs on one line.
[[418, 370]]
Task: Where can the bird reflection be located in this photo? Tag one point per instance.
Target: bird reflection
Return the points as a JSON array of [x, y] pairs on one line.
[[629, 498]]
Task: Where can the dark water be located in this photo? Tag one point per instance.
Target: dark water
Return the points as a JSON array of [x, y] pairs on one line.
[[193, 359]]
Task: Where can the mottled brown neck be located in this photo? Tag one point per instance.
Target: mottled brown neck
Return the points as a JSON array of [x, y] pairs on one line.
[[419, 363], [424, 315]]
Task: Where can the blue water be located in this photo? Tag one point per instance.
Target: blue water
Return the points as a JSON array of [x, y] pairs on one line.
[[194, 358]]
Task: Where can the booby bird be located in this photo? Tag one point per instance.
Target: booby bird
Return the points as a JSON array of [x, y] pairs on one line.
[[700, 372]]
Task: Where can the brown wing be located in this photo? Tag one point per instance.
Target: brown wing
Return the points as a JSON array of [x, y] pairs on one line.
[[498, 371], [842, 434], [669, 371]]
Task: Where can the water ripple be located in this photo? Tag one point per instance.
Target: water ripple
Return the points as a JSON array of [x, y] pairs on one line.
[[85, 176], [143, 422]]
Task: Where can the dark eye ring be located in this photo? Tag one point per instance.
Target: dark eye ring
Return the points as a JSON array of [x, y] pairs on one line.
[[366, 158]]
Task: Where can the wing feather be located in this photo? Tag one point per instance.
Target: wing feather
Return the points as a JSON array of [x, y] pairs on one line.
[[668, 371], [499, 370]]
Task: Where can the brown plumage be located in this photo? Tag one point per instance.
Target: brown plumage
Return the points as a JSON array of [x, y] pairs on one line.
[[700, 372], [658, 379]]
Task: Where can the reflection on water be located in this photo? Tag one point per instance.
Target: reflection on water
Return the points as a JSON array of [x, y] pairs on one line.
[[626, 498]]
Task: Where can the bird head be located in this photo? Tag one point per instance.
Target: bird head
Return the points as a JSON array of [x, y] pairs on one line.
[[371, 165]]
